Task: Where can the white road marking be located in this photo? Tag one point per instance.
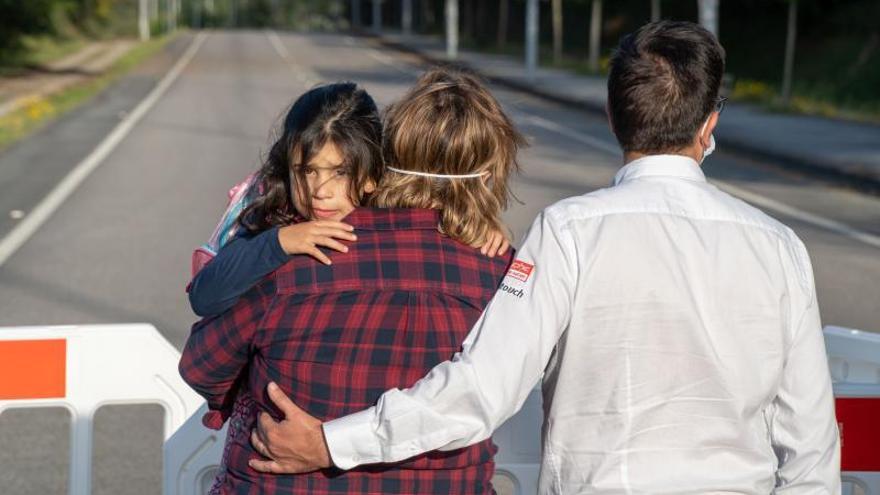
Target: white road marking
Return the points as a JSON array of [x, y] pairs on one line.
[[798, 214], [305, 76], [594, 142], [385, 59], [56, 197]]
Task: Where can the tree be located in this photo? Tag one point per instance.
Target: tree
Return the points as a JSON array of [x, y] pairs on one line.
[[790, 40], [427, 15], [406, 16], [595, 34], [501, 38], [557, 31]]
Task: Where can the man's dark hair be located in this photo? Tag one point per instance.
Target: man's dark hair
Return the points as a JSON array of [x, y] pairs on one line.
[[663, 84]]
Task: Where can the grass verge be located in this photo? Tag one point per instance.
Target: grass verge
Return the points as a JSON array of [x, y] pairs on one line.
[[38, 111]]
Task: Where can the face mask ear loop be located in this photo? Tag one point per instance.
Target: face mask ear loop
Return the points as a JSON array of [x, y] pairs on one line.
[[708, 151], [705, 124]]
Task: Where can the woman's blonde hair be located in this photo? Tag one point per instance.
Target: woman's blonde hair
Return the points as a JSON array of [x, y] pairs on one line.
[[450, 124]]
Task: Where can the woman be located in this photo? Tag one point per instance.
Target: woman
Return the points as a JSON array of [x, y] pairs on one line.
[[401, 300]]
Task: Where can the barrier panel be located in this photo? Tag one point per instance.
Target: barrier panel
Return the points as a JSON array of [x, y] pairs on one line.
[[82, 368], [854, 359], [85, 367], [192, 454]]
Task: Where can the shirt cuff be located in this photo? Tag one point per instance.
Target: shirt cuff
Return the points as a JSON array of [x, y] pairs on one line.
[[352, 441]]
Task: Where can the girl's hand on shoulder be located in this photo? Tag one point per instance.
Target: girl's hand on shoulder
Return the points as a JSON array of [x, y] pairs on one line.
[[305, 237], [496, 243]]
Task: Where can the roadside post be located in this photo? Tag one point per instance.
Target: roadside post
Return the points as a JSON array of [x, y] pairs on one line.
[[531, 38], [406, 16], [451, 29], [143, 20]]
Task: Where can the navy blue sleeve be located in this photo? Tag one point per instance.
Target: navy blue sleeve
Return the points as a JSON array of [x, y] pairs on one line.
[[239, 265]]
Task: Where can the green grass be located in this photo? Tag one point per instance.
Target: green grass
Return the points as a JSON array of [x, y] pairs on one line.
[[807, 99], [38, 111], [44, 49], [38, 51]]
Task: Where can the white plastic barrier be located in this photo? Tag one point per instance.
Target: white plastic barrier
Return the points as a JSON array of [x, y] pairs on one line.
[[82, 368], [519, 447], [854, 359], [192, 454]]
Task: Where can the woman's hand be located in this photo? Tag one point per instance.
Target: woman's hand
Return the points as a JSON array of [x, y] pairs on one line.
[[305, 237], [496, 243]]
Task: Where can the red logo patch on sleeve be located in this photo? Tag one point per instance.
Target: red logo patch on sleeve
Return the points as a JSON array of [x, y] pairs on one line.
[[520, 270]]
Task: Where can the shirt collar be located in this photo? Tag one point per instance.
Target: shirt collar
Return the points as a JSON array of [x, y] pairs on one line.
[[676, 166], [393, 219]]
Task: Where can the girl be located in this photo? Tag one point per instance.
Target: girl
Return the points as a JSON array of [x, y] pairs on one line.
[[272, 215], [401, 300]]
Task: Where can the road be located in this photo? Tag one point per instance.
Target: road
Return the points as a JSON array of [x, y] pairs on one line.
[[117, 250]]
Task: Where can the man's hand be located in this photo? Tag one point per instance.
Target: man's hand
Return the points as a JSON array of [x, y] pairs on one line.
[[293, 445], [305, 237]]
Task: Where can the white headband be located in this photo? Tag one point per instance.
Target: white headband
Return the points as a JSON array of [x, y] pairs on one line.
[[438, 176]]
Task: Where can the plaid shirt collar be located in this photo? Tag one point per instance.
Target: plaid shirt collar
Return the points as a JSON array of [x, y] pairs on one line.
[[393, 219]]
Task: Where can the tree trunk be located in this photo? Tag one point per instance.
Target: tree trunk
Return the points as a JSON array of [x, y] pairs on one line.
[[377, 15], [468, 25], [355, 13], [790, 40], [595, 34], [480, 33], [406, 16], [557, 31], [427, 11], [655, 10], [501, 39]]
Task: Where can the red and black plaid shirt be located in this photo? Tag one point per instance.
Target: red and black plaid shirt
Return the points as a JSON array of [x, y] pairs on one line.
[[401, 301]]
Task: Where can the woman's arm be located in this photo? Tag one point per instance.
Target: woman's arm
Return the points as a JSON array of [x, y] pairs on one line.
[[218, 348], [238, 266], [247, 259]]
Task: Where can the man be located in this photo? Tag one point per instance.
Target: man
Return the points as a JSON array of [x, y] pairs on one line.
[[676, 327]]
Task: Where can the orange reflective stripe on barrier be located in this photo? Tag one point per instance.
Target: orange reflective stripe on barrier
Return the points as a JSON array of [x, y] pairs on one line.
[[859, 434], [33, 369]]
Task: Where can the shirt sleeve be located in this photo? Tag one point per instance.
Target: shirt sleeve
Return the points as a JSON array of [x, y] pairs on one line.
[[219, 348], [238, 266], [804, 430], [460, 402]]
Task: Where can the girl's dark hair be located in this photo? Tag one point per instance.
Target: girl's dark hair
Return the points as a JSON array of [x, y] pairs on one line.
[[342, 114]]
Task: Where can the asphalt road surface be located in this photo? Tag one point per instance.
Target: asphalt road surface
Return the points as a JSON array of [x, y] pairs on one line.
[[117, 250]]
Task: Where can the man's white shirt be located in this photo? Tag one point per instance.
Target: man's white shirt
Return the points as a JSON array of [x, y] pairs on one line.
[[678, 336]]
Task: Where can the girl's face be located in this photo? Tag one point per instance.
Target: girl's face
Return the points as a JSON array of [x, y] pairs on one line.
[[328, 183]]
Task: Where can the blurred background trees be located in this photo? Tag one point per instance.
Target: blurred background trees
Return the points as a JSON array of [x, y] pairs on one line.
[[836, 49]]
